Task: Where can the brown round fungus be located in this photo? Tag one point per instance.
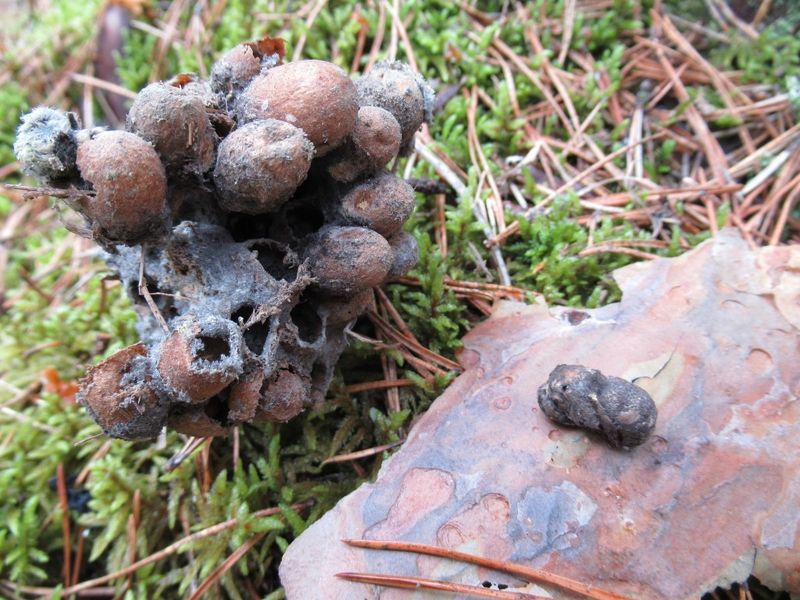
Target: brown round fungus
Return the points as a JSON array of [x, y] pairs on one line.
[[196, 421], [221, 122], [130, 186], [314, 95], [405, 254], [395, 87], [200, 358], [234, 70], [382, 203], [619, 410], [245, 395], [338, 311], [249, 218], [283, 397], [346, 260], [374, 142], [120, 395], [260, 165], [174, 120], [239, 65]]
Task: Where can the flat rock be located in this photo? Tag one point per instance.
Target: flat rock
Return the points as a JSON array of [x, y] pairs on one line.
[[710, 498]]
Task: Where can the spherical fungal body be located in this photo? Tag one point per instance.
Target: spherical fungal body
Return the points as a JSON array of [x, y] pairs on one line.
[[314, 95], [129, 182], [260, 165], [175, 122], [405, 94]]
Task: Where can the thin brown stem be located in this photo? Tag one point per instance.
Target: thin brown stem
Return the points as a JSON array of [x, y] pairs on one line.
[[527, 573]]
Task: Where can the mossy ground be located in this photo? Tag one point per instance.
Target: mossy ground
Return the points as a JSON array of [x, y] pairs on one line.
[[59, 314]]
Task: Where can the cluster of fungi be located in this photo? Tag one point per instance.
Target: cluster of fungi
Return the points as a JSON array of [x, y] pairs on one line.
[[248, 216]]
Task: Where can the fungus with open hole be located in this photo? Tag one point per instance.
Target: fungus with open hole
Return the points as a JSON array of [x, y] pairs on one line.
[[248, 218]]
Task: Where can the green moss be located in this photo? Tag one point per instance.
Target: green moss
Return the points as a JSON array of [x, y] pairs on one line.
[[772, 57], [12, 104]]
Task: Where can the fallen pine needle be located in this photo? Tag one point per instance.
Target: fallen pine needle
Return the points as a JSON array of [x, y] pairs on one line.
[[226, 565], [527, 573], [378, 385], [361, 453], [420, 583]]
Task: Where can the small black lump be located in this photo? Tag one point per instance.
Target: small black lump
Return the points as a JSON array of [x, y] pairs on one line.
[[581, 397]]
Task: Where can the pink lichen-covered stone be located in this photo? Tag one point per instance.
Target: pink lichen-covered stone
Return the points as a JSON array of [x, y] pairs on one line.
[[711, 497]]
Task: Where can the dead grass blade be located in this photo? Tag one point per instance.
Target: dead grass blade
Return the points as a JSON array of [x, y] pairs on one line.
[[173, 548]]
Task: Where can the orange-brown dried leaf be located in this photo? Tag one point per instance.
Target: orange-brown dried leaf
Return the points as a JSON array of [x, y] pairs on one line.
[[267, 46], [53, 383]]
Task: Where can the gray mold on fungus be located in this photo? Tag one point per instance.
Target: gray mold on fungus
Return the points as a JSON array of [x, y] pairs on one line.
[[260, 165], [395, 87], [200, 357], [46, 144], [261, 260], [121, 395], [175, 121], [238, 66]]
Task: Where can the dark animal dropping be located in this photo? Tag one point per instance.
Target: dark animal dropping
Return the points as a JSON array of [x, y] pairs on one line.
[[581, 397]]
